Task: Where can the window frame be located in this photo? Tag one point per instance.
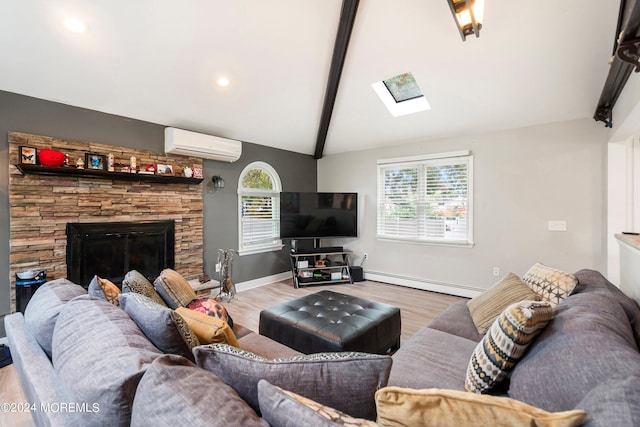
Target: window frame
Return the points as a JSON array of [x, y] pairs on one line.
[[422, 162], [276, 244]]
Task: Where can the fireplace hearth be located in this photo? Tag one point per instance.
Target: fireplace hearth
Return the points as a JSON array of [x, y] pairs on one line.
[[111, 249]]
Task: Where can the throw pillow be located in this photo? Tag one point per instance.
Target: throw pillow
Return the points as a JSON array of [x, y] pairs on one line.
[[211, 307], [444, 408], [94, 288], [43, 309], [110, 291], [505, 343], [344, 381], [282, 408], [208, 329], [175, 392], [159, 324], [486, 307], [135, 281], [551, 284], [174, 289]]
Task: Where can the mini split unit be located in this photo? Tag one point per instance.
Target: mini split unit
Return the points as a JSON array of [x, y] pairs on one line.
[[178, 141]]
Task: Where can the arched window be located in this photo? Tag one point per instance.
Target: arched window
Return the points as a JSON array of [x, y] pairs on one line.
[[259, 209]]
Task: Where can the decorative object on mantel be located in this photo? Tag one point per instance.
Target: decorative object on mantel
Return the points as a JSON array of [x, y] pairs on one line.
[[51, 158], [188, 172], [80, 163], [227, 288], [28, 155], [111, 163], [197, 171], [164, 169], [94, 161]]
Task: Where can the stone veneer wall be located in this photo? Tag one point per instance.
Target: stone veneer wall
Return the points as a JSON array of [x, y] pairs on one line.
[[42, 205]]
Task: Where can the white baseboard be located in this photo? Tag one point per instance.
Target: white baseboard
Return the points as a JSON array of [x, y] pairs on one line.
[[427, 285], [4, 341], [262, 281]]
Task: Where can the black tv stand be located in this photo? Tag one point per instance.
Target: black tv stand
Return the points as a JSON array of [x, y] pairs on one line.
[[335, 269]]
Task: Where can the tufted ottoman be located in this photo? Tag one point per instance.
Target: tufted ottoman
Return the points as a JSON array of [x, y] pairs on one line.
[[329, 321]]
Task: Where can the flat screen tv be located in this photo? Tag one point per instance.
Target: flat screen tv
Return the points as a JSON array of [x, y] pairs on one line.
[[318, 215]]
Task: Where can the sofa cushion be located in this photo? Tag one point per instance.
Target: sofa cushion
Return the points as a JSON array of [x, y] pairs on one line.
[[505, 343], [590, 332], [432, 359], [45, 305], [134, 281], [174, 289], [100, 355], [282, 408], [487, 306], [160, 324], [94, 288], [445, 408], [594, 281], [211, 307], [613, 403], [551, 284], [175, 392], [344, 381], [208, 329], [456, 320]]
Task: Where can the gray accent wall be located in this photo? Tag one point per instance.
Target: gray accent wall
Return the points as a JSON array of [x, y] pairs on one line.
[[522, 179], [31, 115]]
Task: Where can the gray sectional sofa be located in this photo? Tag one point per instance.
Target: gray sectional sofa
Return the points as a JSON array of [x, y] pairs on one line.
[[77, 351]]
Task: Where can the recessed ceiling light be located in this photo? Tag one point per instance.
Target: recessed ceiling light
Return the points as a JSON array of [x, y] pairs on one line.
[[223, 81], [75, 25]]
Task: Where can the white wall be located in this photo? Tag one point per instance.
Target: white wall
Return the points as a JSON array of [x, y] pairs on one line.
[[522, 179]]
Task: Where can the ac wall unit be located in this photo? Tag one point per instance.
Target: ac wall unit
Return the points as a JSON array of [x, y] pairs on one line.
[[179, 141]]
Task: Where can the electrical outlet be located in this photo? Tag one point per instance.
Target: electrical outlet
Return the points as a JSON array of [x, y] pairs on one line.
[[496, 271], [366, 255]]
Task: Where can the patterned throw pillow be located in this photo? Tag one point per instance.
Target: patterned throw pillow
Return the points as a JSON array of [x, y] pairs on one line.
[[283, 408], [211, 307], [135, 281], [174, 289], [443, 408], [346, 381], [505, 343], [486, 307], [551, 284], [208, 329], [110, 291]]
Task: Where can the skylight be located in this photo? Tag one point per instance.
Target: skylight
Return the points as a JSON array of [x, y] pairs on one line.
[[401, 95]]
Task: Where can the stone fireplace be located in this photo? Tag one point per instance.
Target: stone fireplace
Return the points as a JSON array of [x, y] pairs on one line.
[[41, 206]]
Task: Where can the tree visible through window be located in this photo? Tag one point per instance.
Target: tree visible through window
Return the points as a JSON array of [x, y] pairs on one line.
[[259, 211], [426, 199]]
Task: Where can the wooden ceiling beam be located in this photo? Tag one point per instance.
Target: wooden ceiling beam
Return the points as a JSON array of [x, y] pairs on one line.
[[345, 28]]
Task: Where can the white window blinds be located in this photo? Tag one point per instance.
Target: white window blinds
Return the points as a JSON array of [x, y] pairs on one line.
[[259, 209], [426, 199]]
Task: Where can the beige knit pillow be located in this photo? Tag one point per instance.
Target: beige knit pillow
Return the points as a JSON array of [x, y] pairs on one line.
[[486, 307]]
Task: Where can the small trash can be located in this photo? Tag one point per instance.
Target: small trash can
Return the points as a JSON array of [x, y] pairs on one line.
[[27, 283]]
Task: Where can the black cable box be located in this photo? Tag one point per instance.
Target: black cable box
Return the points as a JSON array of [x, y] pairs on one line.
[[325, 250]]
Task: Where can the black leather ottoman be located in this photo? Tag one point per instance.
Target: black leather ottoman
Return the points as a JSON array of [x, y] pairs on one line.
[[329, 321]]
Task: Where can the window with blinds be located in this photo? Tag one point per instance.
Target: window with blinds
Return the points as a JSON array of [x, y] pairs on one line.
[[259, 209], [426, 199]]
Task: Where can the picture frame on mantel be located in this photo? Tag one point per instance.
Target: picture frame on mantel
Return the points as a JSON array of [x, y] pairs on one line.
[[28, 155], [95, 161], [166, 170]]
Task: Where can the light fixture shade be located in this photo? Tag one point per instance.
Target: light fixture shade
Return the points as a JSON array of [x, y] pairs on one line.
[[469, 15], [218, 182]]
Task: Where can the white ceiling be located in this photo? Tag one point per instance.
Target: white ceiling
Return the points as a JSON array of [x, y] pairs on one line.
[[535, 62]]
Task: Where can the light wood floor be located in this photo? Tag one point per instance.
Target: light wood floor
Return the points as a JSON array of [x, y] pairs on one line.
[[417, 308]]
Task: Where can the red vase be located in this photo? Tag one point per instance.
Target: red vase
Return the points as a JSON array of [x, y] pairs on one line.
[[50, 158]]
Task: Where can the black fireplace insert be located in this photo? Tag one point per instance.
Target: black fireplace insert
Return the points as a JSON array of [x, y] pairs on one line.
[[111, 249]]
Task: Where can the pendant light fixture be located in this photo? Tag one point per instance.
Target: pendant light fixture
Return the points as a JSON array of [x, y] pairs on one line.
[[468, 15]]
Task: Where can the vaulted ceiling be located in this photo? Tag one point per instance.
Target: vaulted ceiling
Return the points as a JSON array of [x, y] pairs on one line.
[[535, 62]]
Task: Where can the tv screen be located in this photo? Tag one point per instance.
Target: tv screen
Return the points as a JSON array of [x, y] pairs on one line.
[[317, 215]]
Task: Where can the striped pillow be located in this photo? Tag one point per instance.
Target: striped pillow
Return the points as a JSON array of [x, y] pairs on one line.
[[486, 307], [505, 343]]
